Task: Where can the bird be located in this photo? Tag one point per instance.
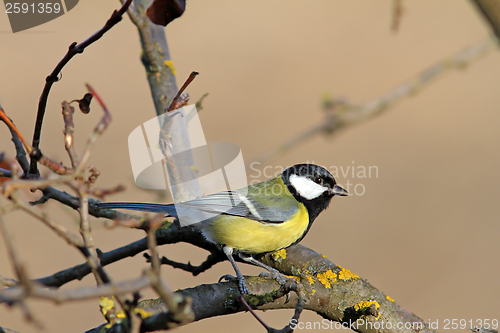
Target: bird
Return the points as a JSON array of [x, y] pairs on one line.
[[257, 219]]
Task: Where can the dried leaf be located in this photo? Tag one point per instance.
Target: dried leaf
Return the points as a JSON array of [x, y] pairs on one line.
[[163, 12]]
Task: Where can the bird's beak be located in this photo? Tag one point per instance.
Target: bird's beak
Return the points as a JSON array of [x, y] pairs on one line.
[[337, 190]]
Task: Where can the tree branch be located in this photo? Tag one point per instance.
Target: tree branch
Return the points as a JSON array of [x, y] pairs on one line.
[[212, 259], [333, 292], [491, 12], [18, 145]]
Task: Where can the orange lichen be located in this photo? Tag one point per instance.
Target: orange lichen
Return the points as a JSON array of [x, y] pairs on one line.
[[327, 278], [366, 304], [279, 255], [346, 274], [170, 64]]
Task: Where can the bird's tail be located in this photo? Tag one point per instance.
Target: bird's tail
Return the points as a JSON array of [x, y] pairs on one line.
[[139, 206]]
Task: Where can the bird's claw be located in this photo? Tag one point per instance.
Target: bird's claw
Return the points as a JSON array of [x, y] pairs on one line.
[[241, 283], [227, 277], [280, 278]]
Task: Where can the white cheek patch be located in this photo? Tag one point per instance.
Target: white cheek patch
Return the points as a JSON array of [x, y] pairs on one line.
[[306, 187]]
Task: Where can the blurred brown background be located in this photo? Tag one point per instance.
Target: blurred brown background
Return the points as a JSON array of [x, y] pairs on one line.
[[426, 230]]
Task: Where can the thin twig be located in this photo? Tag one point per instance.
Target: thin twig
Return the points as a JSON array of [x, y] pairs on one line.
[[397, 13], [69, 128], [190, 79], [6, 330], [155, 261], [94, 174], [5, 173], [78, 294], [491, 12], [8, 187], [90, 252], [101, 193], [162, 289], [133, 14], [212, 259], [199, 103], [60, 230], [24, 281], [164, 236], [255, 315], [13, 127], [18, 145], [14, 259], [98, 129], [34, 153], [30, 317], [73, 50], [74, 202], [6, 282], [347, 115]]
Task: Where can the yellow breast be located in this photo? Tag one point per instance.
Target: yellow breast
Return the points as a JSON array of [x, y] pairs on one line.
[[251, 236]]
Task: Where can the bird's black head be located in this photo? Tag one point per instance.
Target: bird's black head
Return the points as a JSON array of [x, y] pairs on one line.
[[312, 185]]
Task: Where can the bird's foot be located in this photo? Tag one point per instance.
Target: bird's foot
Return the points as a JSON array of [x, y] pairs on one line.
[[280, 278], [242, 286], [275, 274]]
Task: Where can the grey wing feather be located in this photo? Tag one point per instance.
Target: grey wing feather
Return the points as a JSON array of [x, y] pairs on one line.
[[233, 203]]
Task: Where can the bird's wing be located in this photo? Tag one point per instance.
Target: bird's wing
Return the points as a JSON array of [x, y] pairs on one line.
[[236, 204]]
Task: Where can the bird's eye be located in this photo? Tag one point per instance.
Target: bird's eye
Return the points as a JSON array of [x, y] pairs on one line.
[[318, 180]]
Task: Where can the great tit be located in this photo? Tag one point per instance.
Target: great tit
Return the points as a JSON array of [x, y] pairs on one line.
[[260, 218]]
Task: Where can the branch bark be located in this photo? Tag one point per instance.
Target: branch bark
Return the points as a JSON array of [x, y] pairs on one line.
[[333, 292], [160, 74], [491, 12]]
